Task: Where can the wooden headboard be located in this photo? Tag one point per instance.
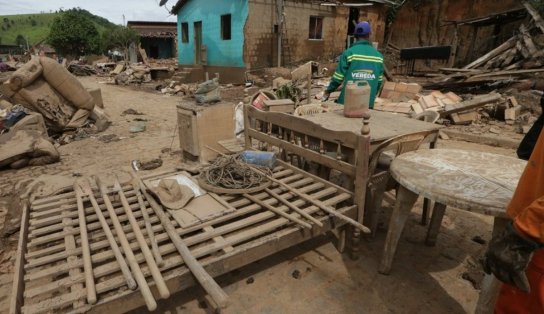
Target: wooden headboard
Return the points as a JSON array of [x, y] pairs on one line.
[[295, 137]]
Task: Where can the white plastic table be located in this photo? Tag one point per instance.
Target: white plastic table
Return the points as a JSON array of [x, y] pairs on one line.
[[474, 181]]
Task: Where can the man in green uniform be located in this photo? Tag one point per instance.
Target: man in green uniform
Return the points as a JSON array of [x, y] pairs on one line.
[[360, 62]]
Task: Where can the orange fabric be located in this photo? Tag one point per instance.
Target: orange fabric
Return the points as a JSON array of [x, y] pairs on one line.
[[527, 205], [512, 300], [527, 211]]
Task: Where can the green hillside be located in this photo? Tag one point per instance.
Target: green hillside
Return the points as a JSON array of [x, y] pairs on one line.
[[35, 27]]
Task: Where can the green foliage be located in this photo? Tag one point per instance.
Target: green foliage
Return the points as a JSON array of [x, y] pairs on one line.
[[289, 91], [74, 34], [119, 38], [22, 24], [33, 23]]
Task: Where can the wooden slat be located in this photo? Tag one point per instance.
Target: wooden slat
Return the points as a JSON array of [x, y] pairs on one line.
[[322, 159], [300, 125], [16, 299], [102, 287], [199, 238]]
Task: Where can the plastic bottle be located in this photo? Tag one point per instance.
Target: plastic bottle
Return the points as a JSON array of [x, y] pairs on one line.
[[258, 158], [357, 99]]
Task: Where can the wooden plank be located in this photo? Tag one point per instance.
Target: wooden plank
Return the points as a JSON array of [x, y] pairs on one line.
[[534, 14], [322, 159], [304, 126], [502, 73], [527, 40], [471, 104], [506, 45], [16, 299]]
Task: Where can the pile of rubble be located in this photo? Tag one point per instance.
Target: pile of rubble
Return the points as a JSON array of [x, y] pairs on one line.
[[409, 99], [42, 99], [520, 56], [131, 74]]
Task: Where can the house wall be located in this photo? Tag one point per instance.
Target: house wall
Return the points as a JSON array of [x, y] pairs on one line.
[[260, 48], [222, 53], [420, 23]]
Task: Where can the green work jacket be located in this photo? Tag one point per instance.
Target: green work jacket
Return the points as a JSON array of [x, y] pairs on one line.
[[360, 62]]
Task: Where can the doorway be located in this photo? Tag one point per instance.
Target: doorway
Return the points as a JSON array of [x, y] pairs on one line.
[[198, 42], [154, 51]]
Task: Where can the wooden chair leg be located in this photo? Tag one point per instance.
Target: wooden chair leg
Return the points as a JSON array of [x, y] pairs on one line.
[[339, 240], [426, 211], [354, 242], [405, 201], [436, 222]]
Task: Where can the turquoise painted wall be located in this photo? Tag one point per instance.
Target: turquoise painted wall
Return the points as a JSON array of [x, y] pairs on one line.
[[220, 52]]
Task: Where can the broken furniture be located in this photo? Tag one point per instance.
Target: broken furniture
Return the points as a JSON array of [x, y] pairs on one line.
[[50, 272], [380, 162], [26, 144], [474, 181], [201, 126], [300, 142], [44, 86]]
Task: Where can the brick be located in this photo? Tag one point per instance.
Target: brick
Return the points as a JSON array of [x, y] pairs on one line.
[[413, 88], [438, 94], [389, 86], [454, 97], [513, 101], [428, 101], [401, 87]]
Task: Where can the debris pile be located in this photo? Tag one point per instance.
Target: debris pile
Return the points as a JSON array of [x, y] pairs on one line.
[[134, 74], [57, 101], [519, 57], [81, 69], [408, 98]]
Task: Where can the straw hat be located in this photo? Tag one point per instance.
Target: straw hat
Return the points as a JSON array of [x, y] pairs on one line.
[[173, 195]]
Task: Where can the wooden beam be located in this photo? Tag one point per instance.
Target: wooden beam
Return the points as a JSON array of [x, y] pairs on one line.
[[476, 102], [536, 17], [488, 56]]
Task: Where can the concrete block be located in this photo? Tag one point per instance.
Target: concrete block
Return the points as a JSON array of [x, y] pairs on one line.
[[512, 113]]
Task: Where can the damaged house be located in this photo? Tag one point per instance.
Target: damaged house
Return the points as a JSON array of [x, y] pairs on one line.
[[158, 39], [233, 36]]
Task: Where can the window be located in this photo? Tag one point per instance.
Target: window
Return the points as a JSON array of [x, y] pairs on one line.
[[184, 32], [316, 27], [225, 27]]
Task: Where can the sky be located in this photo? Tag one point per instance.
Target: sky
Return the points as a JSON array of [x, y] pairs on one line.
[[113, 10]]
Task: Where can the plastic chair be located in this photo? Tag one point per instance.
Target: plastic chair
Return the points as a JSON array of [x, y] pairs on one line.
[[427, 116], [380, 161]]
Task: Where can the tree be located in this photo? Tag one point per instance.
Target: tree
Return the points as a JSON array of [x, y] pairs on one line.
[[73, 34], [119, 38]]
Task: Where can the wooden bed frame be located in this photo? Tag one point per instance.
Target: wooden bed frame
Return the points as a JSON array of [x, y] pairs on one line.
[[49, 273]]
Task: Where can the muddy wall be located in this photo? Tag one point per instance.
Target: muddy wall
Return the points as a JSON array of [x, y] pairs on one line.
[[422, 23], [261, 37]]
